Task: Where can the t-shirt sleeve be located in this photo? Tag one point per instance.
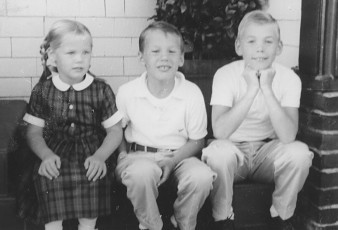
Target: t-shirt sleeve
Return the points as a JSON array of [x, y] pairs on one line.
[[222, 91], [35, 113], [292, 91], [110, 114], [121, 101], [197, 116]]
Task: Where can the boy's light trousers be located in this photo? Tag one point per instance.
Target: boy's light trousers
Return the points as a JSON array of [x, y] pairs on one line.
[[285, 165], [140, 173]]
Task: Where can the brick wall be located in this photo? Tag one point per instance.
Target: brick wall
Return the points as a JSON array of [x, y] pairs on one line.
[[115, 26], [319, 129], [319, 113]]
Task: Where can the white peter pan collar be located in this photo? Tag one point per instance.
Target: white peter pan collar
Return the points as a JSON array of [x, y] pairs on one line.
[[62, 86]]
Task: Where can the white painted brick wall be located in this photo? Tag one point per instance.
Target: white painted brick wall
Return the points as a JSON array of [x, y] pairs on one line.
[[288, 14], [140, 8], [18, 67], [26, 8], [15, 87], [26, 47], [5, 47], [114, 47], [99, 27], [115, 8], [2, 8], [21, 26], [107, 66], [130, 27], [115, 26]]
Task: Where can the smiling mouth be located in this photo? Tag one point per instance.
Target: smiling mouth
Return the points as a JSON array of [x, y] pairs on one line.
[[260, 59], [164, 68], [78, 69]]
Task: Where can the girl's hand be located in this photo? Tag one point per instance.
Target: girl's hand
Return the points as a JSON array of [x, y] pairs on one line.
[[96, 168], [266, 78], [251, 78], [167, 165], [50, 166]]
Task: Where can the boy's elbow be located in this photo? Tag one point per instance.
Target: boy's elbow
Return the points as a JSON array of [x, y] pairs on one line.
[[220, 134], [288, 139]]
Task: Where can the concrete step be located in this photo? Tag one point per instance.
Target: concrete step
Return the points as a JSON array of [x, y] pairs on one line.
[[251, 205]]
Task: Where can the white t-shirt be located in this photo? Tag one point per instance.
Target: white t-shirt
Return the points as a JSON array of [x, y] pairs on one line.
[[162, 123], [229, 87]]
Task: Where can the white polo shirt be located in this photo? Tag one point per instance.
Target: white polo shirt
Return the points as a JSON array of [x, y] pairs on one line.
[[229, 86], [162, 123]]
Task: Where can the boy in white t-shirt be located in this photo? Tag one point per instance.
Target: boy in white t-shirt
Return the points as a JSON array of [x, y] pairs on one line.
[[166, 123], [255, 121]]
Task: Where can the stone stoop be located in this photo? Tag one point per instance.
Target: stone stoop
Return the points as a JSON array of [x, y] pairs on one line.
[[251, 201]]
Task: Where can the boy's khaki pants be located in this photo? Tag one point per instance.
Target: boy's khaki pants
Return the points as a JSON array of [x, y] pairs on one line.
[[285, 165], [140, 173]]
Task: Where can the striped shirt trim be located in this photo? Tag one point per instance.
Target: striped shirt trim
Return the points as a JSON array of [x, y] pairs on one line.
[[34, 120], [112, 120]]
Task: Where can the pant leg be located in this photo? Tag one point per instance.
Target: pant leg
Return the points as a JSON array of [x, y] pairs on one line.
[[140, 175], [87, 224], [226, 160], [194, 182], [287, 165]]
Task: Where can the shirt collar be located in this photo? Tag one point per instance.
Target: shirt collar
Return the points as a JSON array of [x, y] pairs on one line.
[[62, 86], [178, 91]]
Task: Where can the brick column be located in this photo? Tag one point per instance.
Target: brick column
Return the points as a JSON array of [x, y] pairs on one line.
[[318, 68]]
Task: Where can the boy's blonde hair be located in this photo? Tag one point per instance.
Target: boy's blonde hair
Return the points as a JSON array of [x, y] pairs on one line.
[[165, 27], [258, 17]]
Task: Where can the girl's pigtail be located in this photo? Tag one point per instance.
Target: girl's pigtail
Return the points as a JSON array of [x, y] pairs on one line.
[[44, 57]]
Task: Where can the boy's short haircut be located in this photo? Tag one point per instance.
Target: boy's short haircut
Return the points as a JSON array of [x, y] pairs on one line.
[[165, 27], [258, 17]]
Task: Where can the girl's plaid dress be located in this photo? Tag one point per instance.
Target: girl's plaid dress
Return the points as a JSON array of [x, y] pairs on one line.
[[73, 120]]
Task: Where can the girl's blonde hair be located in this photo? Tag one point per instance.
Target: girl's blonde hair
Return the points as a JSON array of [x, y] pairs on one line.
[[258, 17], [54, 39]]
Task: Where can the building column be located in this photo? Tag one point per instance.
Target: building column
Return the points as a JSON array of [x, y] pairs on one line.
[[318, 68]]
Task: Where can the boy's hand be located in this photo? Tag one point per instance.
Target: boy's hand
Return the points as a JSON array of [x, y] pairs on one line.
[[96, 168], [266, 78], [252, 81], [50, 166], [121, 156], [167, 165]]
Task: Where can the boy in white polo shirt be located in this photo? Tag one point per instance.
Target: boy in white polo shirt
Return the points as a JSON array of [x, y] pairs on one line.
[[255, 121], [166, 123]]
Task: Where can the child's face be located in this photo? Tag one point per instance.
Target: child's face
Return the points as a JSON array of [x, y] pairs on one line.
[[72, 57], [259, 45], [162, 55]]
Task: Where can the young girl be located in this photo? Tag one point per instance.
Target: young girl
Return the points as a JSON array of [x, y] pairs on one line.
[[74, 127]]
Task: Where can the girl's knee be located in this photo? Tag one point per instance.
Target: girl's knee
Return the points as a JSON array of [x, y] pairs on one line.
[[55, 225], [87, 224]]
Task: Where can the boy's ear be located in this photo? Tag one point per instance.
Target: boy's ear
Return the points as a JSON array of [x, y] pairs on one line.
[[140, 56], [238, 48], [279, 48], [181, 60]]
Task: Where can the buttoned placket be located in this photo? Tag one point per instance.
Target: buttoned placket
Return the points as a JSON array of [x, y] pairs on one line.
[[71, 109]]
